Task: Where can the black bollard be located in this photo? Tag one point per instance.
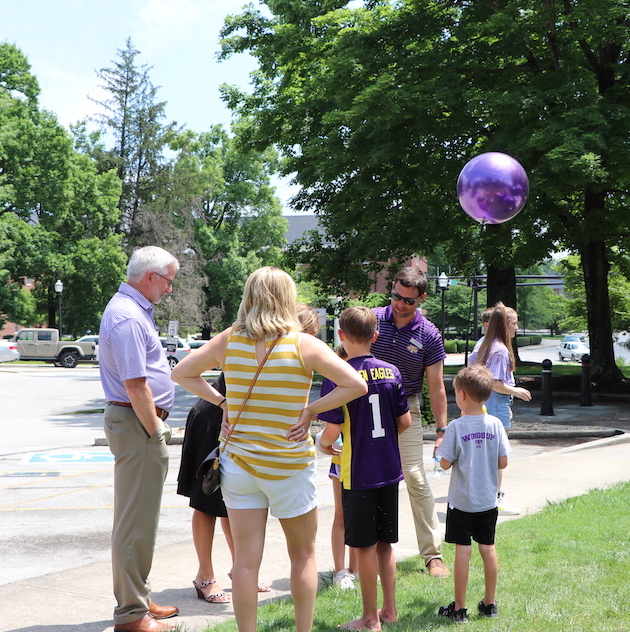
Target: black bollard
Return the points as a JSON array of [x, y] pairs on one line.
[[585, 394], [546, 408]]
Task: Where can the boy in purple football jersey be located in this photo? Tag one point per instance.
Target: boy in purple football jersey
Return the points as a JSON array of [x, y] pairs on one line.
[[370, 465]]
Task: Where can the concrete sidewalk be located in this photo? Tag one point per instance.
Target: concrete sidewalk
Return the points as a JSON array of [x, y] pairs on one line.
[[81, 600]]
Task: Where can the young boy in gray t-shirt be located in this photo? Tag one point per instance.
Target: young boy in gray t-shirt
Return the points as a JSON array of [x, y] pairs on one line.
[[476, 446]]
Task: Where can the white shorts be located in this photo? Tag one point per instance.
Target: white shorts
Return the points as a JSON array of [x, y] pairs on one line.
[[286, 498]]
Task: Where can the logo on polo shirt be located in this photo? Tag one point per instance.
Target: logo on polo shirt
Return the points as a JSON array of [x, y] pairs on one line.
[[414, 346]]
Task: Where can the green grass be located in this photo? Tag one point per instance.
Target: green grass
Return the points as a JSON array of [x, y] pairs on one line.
[[564, 569]]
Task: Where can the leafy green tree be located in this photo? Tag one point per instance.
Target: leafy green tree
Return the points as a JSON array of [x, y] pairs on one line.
[[211, 203], [575, 315], [543, 82], [539, 306], [458, 309], [57, 213], [222, 202]]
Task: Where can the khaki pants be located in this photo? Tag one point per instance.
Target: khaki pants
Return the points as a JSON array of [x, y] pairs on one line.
[[421, 498], [141, 465]]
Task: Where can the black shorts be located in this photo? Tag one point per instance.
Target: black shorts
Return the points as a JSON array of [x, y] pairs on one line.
[[461, 526], [370, 515]]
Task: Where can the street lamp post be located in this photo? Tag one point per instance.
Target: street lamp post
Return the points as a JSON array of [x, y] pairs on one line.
[[443, 282], [59, 290]]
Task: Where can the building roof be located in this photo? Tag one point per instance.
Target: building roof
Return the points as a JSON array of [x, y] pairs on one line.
[[300, 224]]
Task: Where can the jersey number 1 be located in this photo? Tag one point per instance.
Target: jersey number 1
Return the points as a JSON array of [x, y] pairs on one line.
[[377, 425]]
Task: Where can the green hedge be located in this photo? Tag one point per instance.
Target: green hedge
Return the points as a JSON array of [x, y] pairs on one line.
[[461, 345], [450, 346], [526, 341]]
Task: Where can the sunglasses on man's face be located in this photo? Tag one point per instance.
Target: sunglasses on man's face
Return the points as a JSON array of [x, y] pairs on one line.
[[408, 301]]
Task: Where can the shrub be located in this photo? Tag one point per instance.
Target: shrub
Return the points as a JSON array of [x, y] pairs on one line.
[[461, 345], [450, 346], [427, 413]]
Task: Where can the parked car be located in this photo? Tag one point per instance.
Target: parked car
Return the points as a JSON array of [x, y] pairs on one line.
[[8, 351], [195, 344], [91, 338], [573, 351], [572, 338], [182, 350], [39, 343]]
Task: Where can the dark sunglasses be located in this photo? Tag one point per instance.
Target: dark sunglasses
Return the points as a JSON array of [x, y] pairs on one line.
[[408, 301]]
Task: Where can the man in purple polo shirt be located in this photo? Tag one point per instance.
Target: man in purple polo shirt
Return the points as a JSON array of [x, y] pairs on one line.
[[414, 345], [135, 375]]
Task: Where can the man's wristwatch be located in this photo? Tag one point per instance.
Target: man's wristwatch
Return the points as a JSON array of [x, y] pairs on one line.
[[440, 429]]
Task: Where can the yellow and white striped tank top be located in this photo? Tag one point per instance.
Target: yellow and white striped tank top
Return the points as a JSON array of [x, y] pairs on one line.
[[259, 441]]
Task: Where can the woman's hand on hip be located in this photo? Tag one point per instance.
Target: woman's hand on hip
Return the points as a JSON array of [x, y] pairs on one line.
[[299, 432]]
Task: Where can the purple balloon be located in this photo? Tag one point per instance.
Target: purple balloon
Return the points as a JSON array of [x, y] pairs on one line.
[[492, 188]]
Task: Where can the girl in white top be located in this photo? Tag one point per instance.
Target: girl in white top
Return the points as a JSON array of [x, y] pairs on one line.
[[271, 463]]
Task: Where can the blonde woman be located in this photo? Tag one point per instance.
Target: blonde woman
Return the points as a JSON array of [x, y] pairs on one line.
[[269, 462]]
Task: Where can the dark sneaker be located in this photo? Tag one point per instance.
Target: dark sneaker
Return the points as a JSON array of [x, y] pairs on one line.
[[458, 616], [491, 611]]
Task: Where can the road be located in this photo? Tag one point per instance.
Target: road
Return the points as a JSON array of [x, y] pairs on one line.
[[537, 353], [56, 485]]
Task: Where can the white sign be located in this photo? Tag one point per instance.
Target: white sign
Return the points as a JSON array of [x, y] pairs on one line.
[[173, 327]]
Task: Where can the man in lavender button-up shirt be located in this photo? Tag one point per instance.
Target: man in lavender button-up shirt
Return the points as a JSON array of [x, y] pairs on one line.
[[136, 379]]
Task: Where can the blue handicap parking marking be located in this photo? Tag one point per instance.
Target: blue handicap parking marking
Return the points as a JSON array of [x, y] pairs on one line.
[[71, 457]]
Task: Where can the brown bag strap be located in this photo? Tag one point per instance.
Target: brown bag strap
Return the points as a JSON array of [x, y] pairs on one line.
[[251, 386]]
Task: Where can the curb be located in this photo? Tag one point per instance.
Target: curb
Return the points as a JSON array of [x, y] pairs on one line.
[[598, 433]]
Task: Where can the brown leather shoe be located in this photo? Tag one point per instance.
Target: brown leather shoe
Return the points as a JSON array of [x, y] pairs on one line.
[[162, 612], [148, 623]]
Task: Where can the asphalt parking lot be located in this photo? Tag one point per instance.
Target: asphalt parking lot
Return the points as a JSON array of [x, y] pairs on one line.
[[56, 483]]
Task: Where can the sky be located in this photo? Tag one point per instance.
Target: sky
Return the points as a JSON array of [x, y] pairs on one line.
[[67, 41]]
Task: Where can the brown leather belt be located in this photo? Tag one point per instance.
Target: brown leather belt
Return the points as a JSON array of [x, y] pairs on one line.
[[160, 412]]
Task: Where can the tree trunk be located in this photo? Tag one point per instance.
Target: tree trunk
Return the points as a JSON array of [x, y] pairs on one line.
[[595, 267], [502, 287]]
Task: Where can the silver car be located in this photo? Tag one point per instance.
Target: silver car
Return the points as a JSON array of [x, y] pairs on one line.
[[8, 351], [573, 351], [91, 338], [180, 352]]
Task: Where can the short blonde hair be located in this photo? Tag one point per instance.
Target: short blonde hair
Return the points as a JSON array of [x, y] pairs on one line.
[[309, 319], [269, 304], [476, 381]]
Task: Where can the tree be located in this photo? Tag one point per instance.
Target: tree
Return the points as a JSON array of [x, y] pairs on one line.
[[458, 309], [575, 314], [222, 192], [135, 118], [57, 213], [543, 82]]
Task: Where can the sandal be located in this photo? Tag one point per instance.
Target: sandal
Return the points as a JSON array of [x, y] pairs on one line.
[[220, 597], [262, 588]]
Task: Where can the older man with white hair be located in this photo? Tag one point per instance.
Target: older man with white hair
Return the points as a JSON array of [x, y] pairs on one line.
[[135, 375]]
